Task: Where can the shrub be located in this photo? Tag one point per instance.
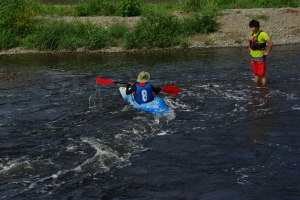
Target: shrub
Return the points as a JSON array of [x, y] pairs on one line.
[[199, 23], [208, 42], [183, 44], [95, 7], [116, 33], [199, 5], [256, 4], [82, 10], [109, 9], [95, 37], [191, 4], [60, 35], [154, 30], [158, 29], [17, 16], [8, 39], [130, 8]]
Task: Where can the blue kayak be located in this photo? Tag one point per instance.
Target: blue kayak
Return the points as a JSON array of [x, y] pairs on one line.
[[157, 106]]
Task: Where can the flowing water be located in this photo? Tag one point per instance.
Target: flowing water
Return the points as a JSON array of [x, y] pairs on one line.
[[65, 137]]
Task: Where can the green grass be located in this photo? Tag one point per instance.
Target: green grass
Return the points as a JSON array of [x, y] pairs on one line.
[[160, 29], [61, 35], [229, 4], [238, 42], [160, 7], [155, 29], [112, 8], [8, 39], [22, 25], [259, 17], [95, 8], [208, 42]]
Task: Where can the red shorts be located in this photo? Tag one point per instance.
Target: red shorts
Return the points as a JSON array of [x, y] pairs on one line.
[[259, 67]]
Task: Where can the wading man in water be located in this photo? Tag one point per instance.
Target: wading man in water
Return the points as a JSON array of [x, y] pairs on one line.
[[258, 51]]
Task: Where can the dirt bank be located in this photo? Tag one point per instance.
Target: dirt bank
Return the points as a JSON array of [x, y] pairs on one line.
[[282, 25]]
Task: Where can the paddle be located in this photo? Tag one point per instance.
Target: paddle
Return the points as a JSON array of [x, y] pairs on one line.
[[167, 89], [108, 81]]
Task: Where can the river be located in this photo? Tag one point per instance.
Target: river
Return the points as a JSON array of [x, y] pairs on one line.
[[63, 136]]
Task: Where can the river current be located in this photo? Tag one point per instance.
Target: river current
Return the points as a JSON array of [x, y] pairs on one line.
[[63, 136]]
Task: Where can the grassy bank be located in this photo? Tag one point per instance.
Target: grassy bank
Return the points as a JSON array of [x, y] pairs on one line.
[[26, 23]]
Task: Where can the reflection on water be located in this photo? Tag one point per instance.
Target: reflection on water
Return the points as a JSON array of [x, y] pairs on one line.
[[260, 97], [63, 136], [262, 110]]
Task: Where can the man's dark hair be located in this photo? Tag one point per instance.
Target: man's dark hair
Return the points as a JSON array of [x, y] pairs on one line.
[[254, 23]]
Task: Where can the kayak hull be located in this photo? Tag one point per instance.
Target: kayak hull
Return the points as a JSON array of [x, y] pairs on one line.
[[157, 106]]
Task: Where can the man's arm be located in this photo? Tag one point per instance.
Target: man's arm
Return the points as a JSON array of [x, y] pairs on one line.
[[249, 46], [156, 90], [130, 88], [270, 46]]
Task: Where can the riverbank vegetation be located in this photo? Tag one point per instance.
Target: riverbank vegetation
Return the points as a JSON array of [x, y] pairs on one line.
[[32, 25]]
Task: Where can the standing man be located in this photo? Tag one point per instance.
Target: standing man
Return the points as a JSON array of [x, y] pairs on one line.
[[258, 51]]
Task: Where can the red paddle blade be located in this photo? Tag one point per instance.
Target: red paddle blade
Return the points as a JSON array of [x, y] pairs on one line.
[[171, 89], [104, 81]]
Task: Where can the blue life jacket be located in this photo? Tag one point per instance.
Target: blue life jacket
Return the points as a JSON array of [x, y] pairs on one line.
[[143, 94]]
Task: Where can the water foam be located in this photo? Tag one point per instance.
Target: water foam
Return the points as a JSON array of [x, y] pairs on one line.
[[104, 158]]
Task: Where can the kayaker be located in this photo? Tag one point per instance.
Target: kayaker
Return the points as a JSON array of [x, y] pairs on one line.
[[142, 89]]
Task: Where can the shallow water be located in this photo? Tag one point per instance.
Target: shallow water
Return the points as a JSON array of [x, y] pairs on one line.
[[65, 137]]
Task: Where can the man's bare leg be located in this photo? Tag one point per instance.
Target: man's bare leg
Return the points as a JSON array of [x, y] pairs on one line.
[[256, 80], [264, 80]]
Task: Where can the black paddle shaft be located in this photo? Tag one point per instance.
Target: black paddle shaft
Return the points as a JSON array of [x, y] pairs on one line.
[[120, 82]]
